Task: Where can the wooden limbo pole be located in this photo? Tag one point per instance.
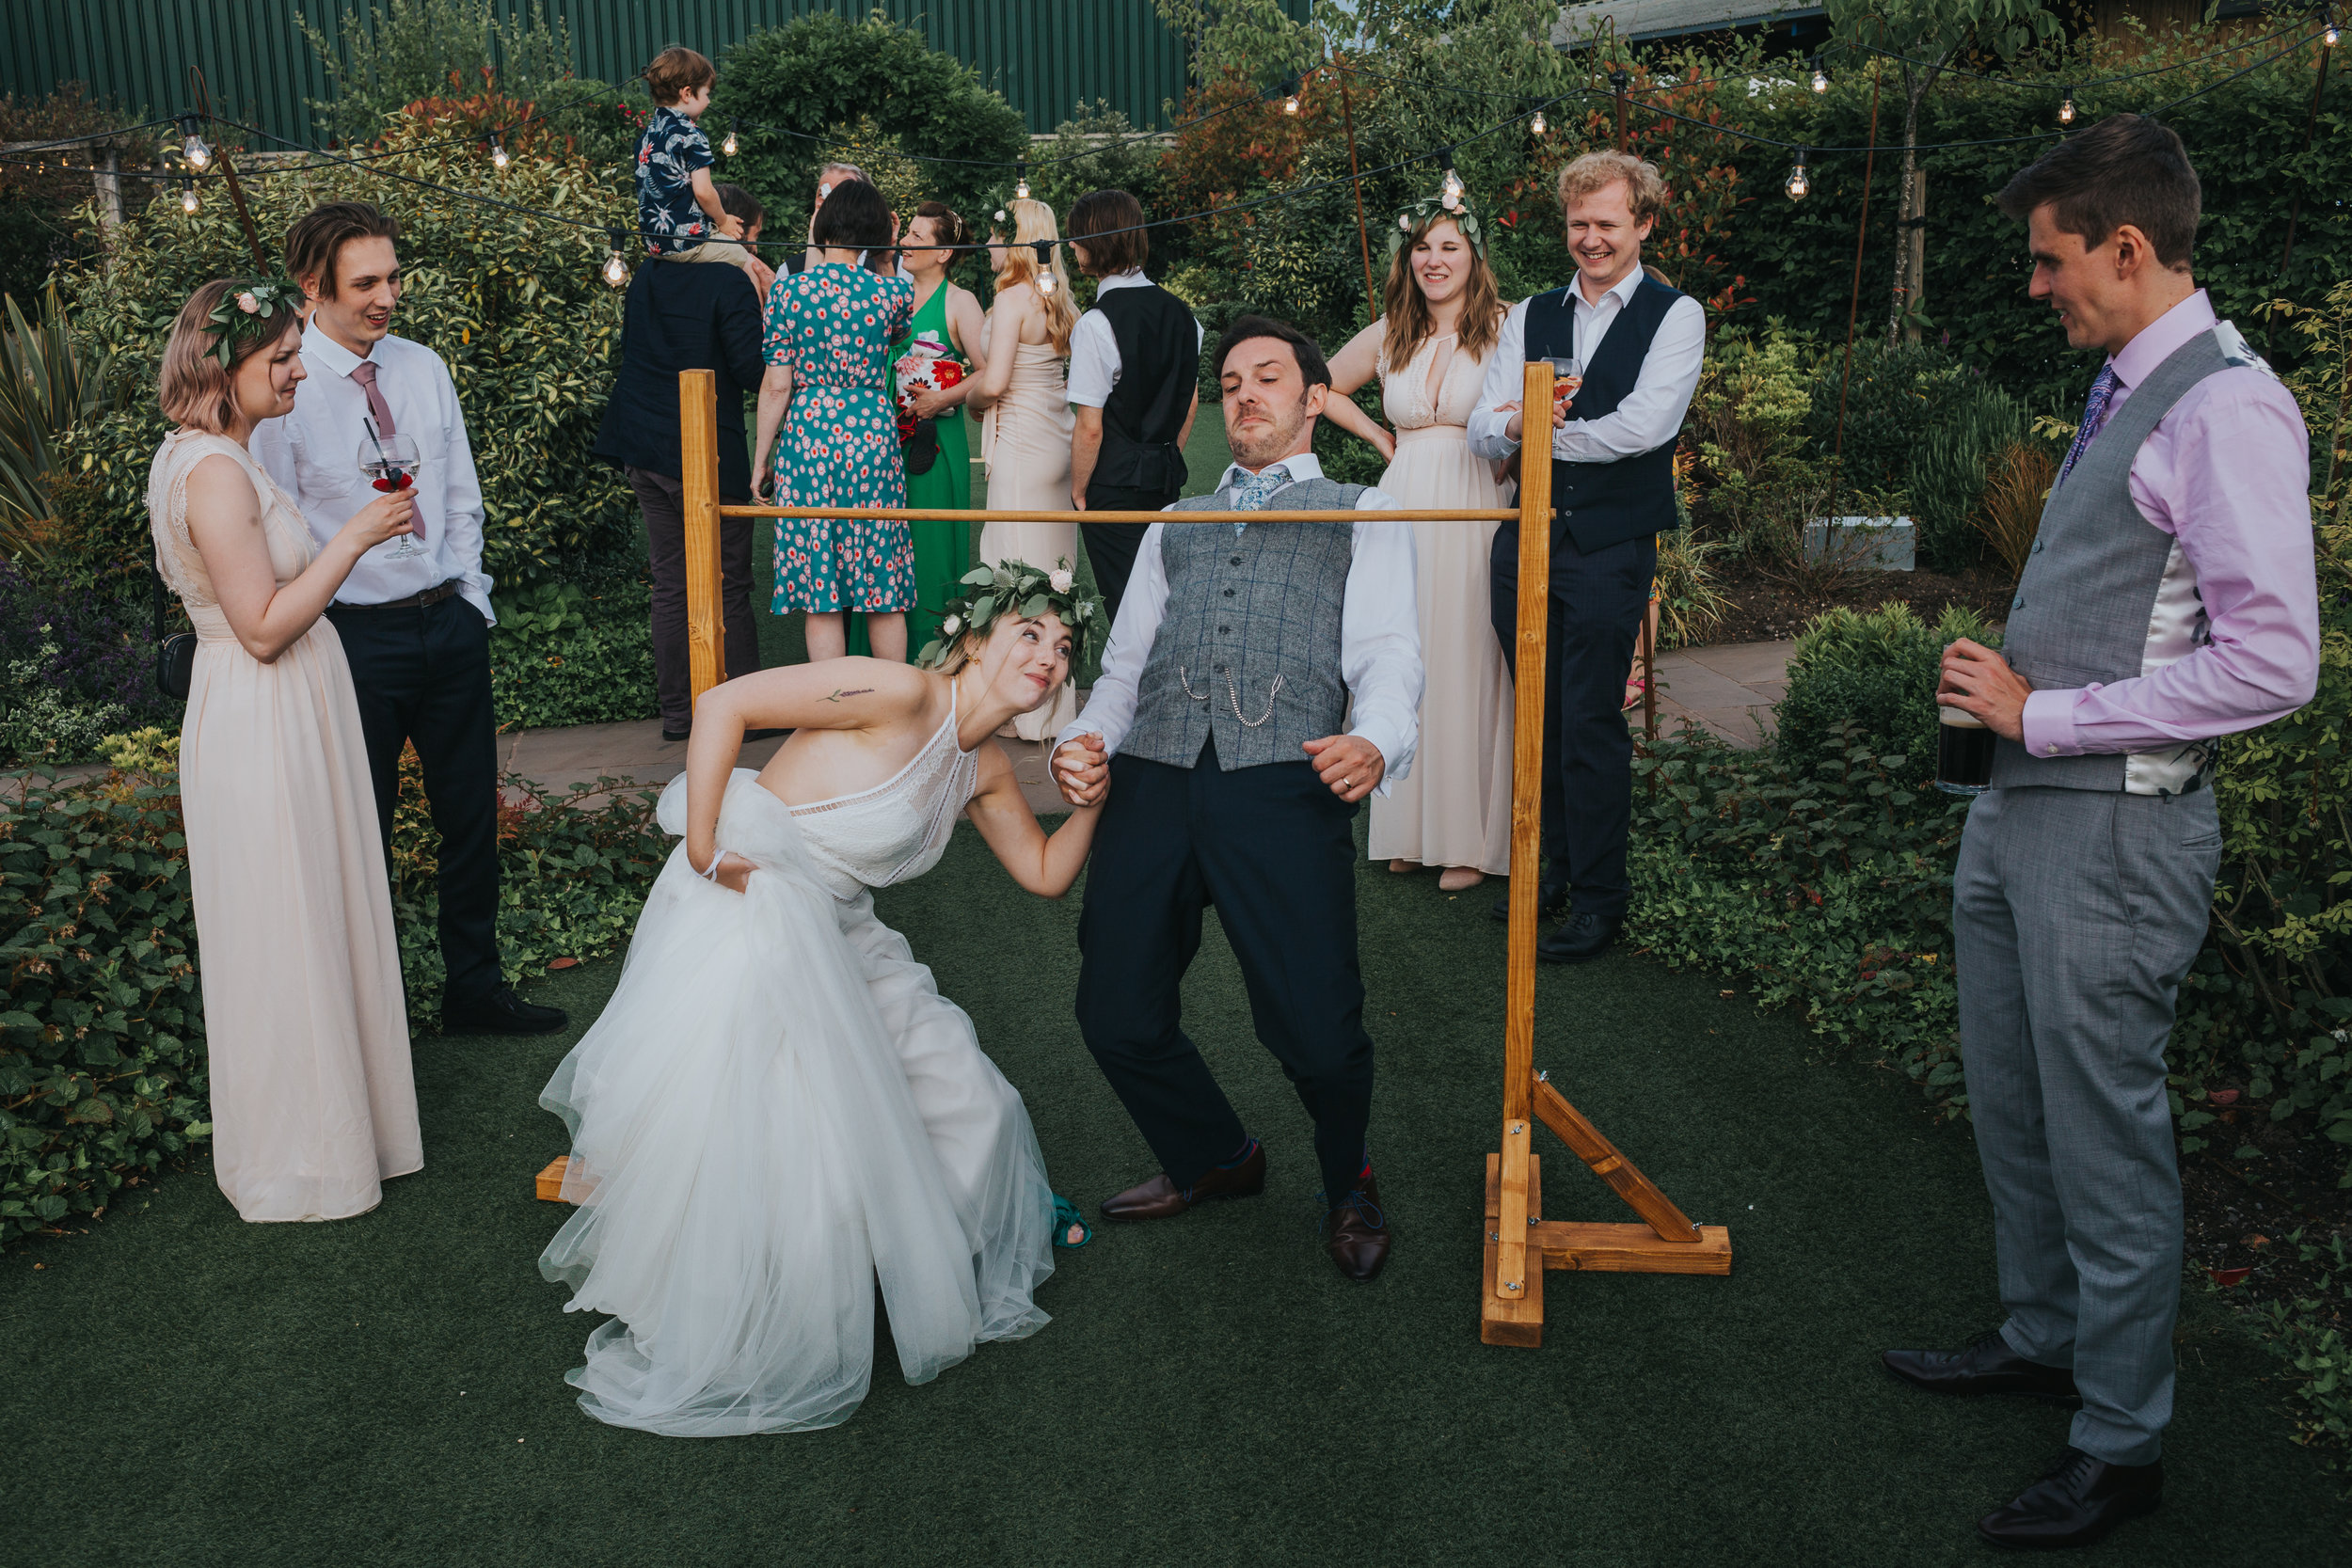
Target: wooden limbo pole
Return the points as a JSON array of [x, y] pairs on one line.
[[1519, 1243]]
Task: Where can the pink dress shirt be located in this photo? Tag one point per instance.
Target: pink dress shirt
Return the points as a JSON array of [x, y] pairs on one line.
[[2226, 473]]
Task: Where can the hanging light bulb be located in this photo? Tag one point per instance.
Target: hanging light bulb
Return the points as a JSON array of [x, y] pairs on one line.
[[189, 201], [616, 270], [2328, 34], [1045, 279], [1021, 183], [194, 150], [1453, 185], [729, 147], [498, 152], [1821, 80], [1537, 124], [1798, 182], [2066, 108]]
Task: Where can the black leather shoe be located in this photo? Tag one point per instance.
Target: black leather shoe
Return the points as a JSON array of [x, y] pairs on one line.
[[1551, 899], [2075, 1504], [671, 737], [502, 1012], [1355, 1233], [1585, 935], [1161, 1198], [1986, 1365]]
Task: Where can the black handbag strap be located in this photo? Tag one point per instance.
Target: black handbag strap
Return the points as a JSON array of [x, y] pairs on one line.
[[156, 579]]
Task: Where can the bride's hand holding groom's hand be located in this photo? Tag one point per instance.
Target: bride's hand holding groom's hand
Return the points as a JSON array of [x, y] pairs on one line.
[[1080, 772]]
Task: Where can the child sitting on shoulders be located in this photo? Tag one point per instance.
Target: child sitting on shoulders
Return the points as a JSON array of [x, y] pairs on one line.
[[679, 208]]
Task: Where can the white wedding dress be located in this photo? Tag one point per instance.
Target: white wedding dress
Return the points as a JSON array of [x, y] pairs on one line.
[[776, 1109]]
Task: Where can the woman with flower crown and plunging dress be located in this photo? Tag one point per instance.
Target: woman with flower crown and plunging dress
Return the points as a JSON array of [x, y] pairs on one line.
[[777, 1107], [1442, 316]]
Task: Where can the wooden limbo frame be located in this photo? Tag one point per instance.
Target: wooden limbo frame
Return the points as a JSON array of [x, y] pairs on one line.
[[1519, 1243]]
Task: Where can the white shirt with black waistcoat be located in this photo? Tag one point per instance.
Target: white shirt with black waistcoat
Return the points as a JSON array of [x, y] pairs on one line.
[[1379, 632], [1094, 348], [313, 452], [1649, 416]]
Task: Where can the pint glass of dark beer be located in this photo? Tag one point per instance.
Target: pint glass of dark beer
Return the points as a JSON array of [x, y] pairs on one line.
[[1963, 752]]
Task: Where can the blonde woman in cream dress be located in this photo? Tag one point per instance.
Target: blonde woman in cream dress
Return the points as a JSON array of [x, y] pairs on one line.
[[1026, 431], [305, 1022], [1430, 351]]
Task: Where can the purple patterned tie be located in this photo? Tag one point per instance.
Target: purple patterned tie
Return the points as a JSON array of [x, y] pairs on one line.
[[2094, 415]]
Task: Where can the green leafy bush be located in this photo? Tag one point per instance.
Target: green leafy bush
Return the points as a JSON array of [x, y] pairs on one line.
[[512, 302], [1948, 473], [561, 654], [1873, 672], [1891, 397]]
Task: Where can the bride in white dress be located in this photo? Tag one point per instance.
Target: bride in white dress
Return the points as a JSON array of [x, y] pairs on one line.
[[777, 1107]]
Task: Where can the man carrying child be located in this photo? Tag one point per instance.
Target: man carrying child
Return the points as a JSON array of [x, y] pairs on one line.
[[678, 209]]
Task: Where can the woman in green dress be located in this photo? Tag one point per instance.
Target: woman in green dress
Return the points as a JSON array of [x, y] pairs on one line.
[[946, 327]]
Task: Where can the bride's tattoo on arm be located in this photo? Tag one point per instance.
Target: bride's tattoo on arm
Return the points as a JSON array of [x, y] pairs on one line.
[[861, 691]]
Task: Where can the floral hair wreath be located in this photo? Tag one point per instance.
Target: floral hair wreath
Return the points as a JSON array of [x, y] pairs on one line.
[[1450, 205], [1017, 588], [249, 309]]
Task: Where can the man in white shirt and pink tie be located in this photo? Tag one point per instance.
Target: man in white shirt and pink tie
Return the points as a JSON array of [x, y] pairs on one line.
[[414, 616]]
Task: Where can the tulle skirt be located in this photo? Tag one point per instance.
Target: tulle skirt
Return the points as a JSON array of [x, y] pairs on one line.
[[776, 1110]]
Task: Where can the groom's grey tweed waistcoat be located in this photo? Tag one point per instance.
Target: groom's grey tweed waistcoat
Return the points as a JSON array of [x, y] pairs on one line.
[[2086, 607], [1242, 613]]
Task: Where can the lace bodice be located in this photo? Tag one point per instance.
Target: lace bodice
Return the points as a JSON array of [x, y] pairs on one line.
[[291, 548], [1405, 395], [899, 828]]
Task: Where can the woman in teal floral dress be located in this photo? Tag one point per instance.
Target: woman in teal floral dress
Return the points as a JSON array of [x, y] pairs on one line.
[[829, 333]]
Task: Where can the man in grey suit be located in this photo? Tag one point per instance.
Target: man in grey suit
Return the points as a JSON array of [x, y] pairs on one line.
[[2169, 599]]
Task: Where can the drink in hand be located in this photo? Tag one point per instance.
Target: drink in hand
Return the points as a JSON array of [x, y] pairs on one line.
[[390, 465]]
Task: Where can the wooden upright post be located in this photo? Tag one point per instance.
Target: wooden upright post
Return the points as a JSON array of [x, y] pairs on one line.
[[698, 474], [1519, 1243]]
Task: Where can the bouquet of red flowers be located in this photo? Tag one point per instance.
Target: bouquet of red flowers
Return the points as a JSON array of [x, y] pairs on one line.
[[928, 366]]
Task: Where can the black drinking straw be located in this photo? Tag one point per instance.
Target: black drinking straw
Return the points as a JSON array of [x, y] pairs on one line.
[[378, 439]]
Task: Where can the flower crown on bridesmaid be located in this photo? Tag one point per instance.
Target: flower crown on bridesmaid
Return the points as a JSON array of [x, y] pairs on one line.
[[1451, 206], [1013, 587], [249, 309]]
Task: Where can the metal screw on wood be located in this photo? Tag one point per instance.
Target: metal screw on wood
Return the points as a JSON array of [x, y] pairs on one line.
[[1510, 1284]]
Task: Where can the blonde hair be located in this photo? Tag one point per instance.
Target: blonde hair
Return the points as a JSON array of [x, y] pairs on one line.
[[196, 391], [1406, 309], [1033, 221], [1645, 188]]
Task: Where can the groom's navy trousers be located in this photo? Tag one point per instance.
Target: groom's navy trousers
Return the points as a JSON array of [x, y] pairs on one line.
[[1274, 851]]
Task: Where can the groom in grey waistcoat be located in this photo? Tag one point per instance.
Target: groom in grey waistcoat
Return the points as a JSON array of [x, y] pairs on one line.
[[2169, 599], [1261, 680]]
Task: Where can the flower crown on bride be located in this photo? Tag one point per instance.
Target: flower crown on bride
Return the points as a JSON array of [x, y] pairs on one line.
[[1449, 204], [250, 309], [1017, 588]]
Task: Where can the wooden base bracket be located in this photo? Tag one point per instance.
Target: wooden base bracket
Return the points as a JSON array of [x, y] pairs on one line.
[[1517, 1318], [551, 1179]]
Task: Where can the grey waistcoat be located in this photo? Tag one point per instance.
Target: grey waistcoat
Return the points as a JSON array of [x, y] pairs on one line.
[[1243, 614], [2106, 596]]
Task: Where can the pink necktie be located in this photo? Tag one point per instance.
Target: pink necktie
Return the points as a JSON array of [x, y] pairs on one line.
[[364, 373]]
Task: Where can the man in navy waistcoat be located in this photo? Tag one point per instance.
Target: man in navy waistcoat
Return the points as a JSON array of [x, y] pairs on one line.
[[1637, 344]]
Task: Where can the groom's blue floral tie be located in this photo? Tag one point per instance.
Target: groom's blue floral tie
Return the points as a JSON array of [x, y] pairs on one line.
[[2094, 416], [1251, 490]]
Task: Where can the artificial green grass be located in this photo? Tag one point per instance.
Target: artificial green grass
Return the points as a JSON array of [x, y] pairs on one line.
[[189, 1390]]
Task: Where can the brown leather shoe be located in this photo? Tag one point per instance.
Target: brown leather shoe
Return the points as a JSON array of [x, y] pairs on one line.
[[1160, 1198], [1355, 1233]]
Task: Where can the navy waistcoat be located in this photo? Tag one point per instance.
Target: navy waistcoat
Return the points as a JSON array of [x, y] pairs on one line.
[[1599, 504]]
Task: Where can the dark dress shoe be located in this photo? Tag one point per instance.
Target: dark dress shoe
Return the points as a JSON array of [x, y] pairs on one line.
[[2075, 1504], [1160, 1198], [1582, 936], [1355, 1233], [1551, 898], [1987, 1365], [502, 1012], [671, 737]]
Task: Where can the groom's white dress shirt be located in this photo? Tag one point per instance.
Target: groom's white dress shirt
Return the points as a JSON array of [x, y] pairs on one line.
[[1650, 414], [1379, 632], [313, 452]]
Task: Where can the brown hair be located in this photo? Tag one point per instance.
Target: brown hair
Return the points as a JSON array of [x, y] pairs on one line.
[[1645, 188], [319, 235], [948, 226], [1406, 308], [1111, 225], [195, 392], [1312, 368], [737, 202], [676, 71], [2127, 169]]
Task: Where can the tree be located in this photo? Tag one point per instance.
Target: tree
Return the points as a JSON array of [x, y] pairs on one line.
[[407, 50], [1927, 35], [796, 89]]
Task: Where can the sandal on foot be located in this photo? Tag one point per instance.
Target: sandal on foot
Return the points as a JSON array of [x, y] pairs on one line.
[[1069, 1222], [1633, 692]]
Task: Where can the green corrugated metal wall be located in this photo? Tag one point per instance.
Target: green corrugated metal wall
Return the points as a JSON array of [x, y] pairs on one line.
[[1043, 55]]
